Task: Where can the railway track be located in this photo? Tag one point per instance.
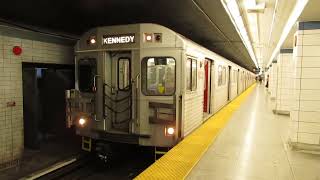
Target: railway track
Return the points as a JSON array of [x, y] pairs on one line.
[[60, 169], [126, 165]]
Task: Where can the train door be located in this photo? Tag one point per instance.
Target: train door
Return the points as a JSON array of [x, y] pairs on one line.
[[238, 81], [242, 82], [207, 87], [117, 91], [229, 83]]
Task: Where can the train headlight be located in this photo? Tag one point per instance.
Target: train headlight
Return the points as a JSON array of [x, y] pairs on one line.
[[82, 121], [170, 131], [92, 41]]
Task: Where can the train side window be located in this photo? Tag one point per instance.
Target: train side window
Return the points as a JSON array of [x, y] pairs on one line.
[[194, 74], [191, 74], [158, 76], [87, 69], [123, 73]]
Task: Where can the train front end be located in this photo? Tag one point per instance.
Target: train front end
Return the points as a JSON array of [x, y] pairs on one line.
[[126, 87]]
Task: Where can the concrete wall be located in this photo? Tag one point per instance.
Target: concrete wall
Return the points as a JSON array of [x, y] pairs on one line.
[[305, 116], [284, 93], [36, 51]]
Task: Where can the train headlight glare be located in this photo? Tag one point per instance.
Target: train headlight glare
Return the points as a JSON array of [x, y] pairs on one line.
[[170, 130], [82, 121], [92, 41]]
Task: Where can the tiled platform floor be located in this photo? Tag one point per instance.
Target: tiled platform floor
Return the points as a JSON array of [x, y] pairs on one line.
[[253, 146]]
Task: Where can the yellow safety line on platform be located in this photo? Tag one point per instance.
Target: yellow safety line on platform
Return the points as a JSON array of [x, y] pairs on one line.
[[179, 161]]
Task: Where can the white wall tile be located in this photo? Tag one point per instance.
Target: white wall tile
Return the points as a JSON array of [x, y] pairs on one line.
[[308, 138], [309, 62], [11, 86], [310, 31], [310, 94], [306, 127], [313, 84], [311, 72], [310, 40], [309, 105], [309, 116]]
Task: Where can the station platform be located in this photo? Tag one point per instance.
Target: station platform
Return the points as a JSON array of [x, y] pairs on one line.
[[243, 141]]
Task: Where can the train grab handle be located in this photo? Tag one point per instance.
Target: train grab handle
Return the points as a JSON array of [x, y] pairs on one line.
[[94, 88]]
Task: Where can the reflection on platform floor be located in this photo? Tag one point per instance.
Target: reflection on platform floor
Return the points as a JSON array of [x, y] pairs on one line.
[[253, 146]]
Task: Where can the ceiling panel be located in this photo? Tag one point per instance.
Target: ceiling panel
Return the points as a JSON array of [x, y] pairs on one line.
[[311, 11], [270, 24], [203, 21]]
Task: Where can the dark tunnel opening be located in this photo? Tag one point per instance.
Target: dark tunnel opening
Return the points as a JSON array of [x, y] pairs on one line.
[[44, 88]]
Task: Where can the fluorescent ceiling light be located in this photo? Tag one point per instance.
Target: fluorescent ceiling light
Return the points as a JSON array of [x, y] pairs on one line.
[[232, 8], [273, 19], [250, 4], [300, 5], [253, 20], [256, 8]]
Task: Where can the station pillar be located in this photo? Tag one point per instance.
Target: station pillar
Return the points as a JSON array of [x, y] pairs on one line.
[[273, 80], [305, 115], [284, 88]]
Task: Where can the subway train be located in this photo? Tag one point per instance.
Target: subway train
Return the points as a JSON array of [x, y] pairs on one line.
[[147, 85]]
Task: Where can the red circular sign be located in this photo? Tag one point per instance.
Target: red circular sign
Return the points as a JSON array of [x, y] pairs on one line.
[[17, 50]]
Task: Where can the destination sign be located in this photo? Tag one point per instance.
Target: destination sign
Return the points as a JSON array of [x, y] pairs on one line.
[[118, 39]]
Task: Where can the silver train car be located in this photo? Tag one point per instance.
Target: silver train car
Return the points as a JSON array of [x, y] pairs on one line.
[[145, 84]]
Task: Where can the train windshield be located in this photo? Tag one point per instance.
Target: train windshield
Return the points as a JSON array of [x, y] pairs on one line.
[[87, 69], [159, 76]]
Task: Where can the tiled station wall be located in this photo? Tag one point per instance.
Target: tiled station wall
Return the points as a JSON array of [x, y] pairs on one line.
[[305, 115], [285, 81], [11, 118]]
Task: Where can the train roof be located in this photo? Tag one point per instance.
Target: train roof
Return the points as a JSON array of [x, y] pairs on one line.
[[132, 36]]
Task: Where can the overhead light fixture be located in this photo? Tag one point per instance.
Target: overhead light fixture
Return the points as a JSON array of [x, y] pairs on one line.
[[273, 19], [300, 5], [252, 20], [255, 8], [233, 10]]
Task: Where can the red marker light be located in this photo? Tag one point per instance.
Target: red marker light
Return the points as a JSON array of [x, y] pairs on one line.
[[17, 50]]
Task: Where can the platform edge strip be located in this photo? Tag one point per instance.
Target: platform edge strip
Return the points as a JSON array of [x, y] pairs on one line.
[[180, 160]]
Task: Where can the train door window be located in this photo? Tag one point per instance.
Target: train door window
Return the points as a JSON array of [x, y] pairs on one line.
[[234, 76], [194, 75], [230, 75], [87, 69], [224, 76], [123, 73], [191, 81], [188, 74], [221, 75], [158, 76]]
